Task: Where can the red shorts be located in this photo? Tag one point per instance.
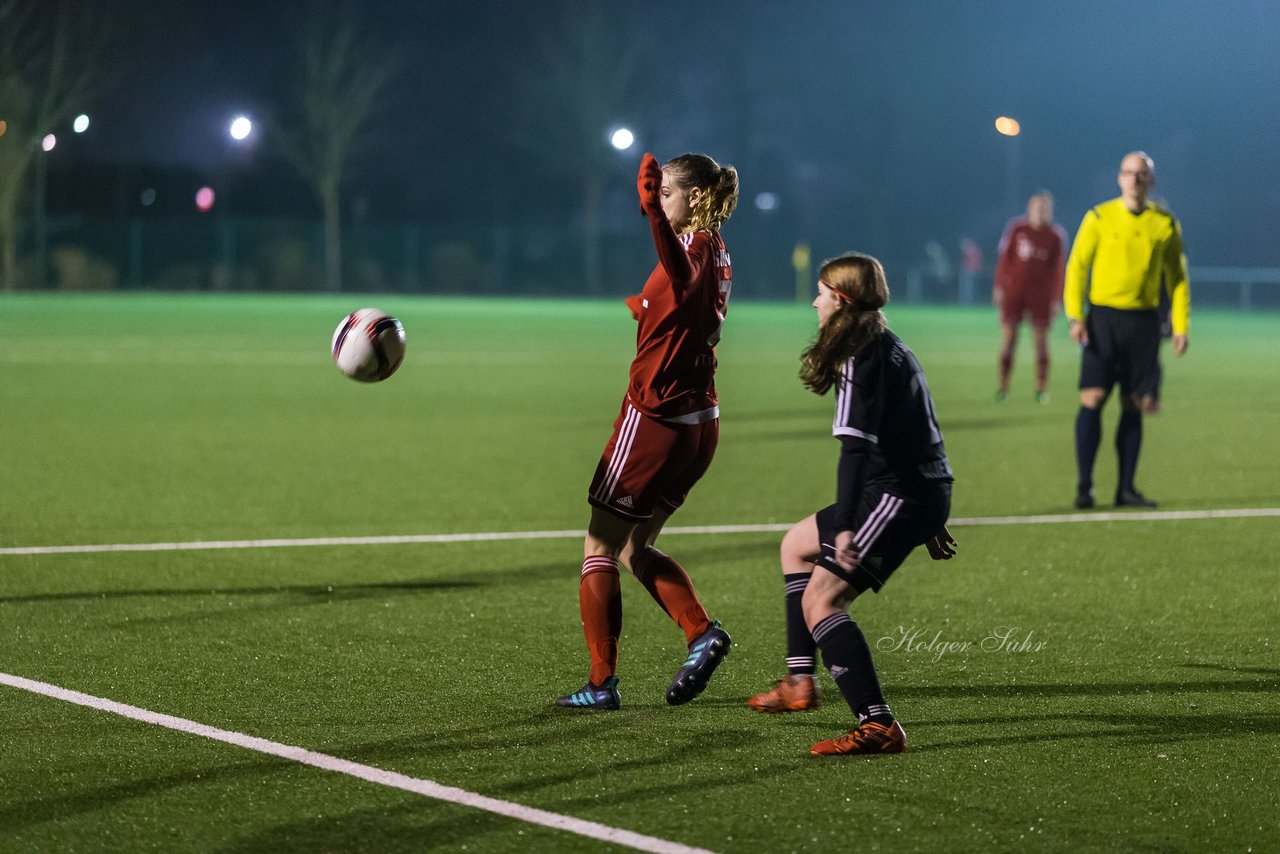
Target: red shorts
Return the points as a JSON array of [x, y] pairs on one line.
[[650, 463], [1017, 304]]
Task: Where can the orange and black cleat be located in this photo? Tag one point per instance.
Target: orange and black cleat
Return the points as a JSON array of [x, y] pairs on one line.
[[792, 694], [868, 739]]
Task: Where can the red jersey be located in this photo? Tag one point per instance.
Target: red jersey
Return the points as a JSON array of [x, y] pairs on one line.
[[680, 313], [1031, 260]]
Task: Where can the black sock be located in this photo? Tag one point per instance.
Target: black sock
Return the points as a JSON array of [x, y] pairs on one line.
[[847, 656], [800, 645], [1088, 437], [1128, 444]]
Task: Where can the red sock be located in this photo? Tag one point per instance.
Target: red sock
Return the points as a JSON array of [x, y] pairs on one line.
[[669, 585], [600, 600]]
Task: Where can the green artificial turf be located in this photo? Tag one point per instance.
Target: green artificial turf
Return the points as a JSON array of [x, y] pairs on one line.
[[1098, 685]]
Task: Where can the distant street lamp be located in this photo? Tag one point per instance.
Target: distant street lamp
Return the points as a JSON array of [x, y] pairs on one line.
[[622, 139], [1008, 126], [47, 143], [204, 199], [1012, 128], [766, 201], [241, 127]]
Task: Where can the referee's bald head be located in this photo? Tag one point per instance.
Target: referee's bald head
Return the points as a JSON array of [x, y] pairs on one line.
[[1137, 177]]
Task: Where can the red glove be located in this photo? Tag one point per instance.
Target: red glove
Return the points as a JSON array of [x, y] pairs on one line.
[[649, 183]]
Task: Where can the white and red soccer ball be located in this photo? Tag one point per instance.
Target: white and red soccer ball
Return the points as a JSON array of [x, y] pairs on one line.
[[368, 345]]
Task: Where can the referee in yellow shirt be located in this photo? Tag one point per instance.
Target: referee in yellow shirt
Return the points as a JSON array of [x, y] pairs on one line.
[[1125, 251]]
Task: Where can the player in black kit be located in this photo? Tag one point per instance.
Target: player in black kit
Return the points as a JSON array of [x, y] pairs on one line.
[[893, 494]]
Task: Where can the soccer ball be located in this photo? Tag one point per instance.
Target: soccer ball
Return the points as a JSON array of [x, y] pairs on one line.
[[368, 345]]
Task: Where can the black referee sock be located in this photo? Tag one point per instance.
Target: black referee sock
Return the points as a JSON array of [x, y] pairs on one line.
[[800, 646], [1088, 437], [847, 656], [1128, 444]]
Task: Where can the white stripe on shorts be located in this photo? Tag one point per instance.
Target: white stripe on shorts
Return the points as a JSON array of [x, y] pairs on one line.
[[871, 529], [626, 436]]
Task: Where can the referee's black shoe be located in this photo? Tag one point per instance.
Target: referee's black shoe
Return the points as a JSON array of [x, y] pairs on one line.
[[1133, 498], [1084, 499]]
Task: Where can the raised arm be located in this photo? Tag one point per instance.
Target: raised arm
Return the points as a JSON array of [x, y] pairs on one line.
[[680, 267]]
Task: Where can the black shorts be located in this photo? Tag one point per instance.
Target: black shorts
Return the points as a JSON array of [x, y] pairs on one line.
[[1124, 347], [887, 526]]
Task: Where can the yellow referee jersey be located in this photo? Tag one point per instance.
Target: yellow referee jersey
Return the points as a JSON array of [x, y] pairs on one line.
[[1128, 255]]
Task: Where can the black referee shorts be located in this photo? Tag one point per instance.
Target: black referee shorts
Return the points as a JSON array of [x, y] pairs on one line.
[[1124, 347], [886, 527]]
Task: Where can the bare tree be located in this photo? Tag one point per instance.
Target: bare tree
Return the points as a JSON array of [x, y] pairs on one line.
[[340, 84], [51, 57], [588, 69]]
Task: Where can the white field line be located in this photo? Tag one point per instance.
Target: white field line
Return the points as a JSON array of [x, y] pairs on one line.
[[426, 788], [974, 521]]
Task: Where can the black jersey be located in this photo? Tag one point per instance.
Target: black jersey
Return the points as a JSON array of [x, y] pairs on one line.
[[886, 425]]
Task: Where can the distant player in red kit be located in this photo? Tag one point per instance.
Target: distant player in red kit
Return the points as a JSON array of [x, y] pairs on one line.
[[666, 434], [1028, 282]]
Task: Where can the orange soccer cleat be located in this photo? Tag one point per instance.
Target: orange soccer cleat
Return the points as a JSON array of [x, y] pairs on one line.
[[792, 694], [868, 739]]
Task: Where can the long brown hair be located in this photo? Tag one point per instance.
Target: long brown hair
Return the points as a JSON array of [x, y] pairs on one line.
[[719, 183], [860, 283]]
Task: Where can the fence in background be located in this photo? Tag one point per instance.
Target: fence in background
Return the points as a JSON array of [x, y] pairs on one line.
[[277, 255], [1243, 288]]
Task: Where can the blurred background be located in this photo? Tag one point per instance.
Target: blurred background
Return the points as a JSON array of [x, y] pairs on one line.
[[490, 147]]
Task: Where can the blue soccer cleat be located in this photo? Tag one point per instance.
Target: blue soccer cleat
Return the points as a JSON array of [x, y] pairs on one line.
[[601, 698], [705, 654]]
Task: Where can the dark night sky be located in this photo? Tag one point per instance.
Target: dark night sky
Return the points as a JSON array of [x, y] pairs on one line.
[[872, 121]]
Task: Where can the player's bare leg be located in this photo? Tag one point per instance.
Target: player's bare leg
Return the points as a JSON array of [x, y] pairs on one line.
[[1041, 337], [1008, 343], [664, 578], [672, 588]]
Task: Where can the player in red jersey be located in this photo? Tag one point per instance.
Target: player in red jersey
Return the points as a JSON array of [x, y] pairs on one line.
[[1028, 282], [666, 434]]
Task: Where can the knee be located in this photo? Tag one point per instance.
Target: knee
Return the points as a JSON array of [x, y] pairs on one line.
[[1131, 403], [818, 604], [1092, 398], [787, 555], [637, 554], [796, 552], [595, 546], [814, 613]]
